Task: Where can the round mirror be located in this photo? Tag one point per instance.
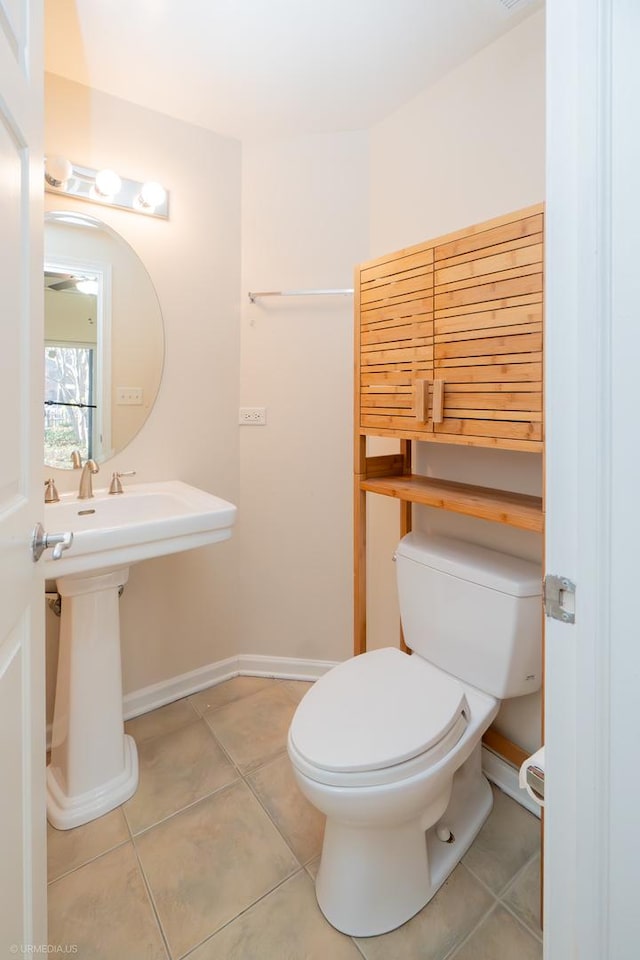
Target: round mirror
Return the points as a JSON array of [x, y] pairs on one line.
[[104, 340]]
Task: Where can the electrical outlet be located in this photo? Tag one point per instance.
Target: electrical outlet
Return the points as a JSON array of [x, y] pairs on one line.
[[253, 416], [129, 396]]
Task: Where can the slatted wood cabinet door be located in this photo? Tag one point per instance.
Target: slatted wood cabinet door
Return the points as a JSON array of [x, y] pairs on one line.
[[394, 341], [488, 333]]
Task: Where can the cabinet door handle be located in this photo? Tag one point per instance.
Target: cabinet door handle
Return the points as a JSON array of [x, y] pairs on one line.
[[422, 400], [438, 401]]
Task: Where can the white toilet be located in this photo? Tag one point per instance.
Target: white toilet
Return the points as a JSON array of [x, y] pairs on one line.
[[387, 745]]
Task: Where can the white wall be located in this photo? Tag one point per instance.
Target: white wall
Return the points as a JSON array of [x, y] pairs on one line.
[[305, 224], [469, 148], [178, 612]]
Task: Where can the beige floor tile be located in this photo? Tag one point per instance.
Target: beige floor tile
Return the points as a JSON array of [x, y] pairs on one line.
[[163, 720], [68, 849], [175, 770], [523, 896], [300, 823], [445, 921], [509, 838], [103, 910], [254, 729], [312, 867], [285, 925], [500, 937], [230, 690], [297, 688], [210, 862]]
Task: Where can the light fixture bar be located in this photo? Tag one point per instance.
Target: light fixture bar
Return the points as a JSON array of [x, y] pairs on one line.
[[82, 186]]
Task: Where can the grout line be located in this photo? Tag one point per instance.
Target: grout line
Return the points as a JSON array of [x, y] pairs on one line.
[[152, 901], [451, 955], [84, 863], [522, 922], [249, 906], [187, 806]]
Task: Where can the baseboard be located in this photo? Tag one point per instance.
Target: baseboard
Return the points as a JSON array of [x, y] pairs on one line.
[[243, 665], [505, 776]]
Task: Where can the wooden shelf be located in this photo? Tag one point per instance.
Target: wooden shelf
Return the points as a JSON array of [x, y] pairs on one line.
[[500, 506]]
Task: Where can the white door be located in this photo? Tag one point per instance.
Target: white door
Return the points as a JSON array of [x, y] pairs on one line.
[[592, 694], [22, 724]]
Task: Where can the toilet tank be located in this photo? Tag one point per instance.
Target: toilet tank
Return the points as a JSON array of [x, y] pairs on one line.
[[474, 612]]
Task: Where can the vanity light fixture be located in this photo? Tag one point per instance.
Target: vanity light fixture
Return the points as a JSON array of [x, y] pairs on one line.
[[106, 187]]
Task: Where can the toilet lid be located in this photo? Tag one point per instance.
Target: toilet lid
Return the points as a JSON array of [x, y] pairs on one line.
[[376, 710]]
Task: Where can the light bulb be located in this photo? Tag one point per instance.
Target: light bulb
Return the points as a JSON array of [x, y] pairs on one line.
[[87, 286], [107, 184], [151, 196], [57, 172]]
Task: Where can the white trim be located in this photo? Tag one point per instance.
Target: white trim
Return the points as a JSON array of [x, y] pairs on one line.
[[243, 665], [505, 776]]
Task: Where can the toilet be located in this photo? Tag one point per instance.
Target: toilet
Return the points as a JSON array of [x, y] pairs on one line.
[[388, 745]]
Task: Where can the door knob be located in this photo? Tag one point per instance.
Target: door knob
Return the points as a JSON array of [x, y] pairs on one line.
[[41, 541]]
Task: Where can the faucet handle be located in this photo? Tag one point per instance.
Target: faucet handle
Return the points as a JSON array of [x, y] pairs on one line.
[[51, 495], [76, 459], [115, 486]]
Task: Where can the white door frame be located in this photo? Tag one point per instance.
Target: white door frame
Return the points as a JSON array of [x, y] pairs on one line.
[[592, 829]]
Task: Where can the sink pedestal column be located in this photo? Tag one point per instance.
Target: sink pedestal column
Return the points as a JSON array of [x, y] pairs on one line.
[[94, 765]]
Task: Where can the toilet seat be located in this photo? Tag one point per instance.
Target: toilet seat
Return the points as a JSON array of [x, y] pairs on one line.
[[377, 718]]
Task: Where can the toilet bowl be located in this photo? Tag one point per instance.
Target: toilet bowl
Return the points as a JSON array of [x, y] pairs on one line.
[[388, 745], [376, 871]]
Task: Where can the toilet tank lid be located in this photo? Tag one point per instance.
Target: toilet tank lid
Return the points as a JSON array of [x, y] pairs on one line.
[[476, 564]]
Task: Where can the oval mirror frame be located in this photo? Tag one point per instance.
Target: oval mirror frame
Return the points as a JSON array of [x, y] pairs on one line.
[[98, 292]]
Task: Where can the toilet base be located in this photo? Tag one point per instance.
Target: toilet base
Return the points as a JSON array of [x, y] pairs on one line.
[[372, 880]]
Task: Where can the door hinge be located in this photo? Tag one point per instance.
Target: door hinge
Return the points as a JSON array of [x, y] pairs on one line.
[[560, 598]]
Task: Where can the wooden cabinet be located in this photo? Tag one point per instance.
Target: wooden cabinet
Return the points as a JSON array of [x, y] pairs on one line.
[[394, 298], [449, 337]]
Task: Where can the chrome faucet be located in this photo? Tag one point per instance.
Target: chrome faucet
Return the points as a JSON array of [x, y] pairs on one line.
[[86, 488]]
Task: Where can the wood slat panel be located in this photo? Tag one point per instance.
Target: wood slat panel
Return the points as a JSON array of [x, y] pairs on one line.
[[481, 267], [394, 356], [486, 292], [476, 362], [405, 331], [479, 334], [493, 428], [425, 271], [493, 251], [377, 388], [524, 227], [514, 386], [514, 509], [398, 263], [385, 377], [505, 372], [473, 324], [535, 416], [408, 308], [491, 346], [371, 401], [391, 344], [460, 310], [397, 290], [500, 400], [407, 432], [471, 282]]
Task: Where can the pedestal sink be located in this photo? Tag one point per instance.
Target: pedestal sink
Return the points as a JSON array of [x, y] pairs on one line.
[[94, 765]]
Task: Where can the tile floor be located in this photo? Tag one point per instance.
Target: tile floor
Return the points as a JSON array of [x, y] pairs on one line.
[[214, 856]]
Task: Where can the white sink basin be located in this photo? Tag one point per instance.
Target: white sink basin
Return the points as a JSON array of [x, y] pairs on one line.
[[147, 520]]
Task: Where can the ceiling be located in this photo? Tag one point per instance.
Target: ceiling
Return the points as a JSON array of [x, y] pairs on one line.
[[262, 68]]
